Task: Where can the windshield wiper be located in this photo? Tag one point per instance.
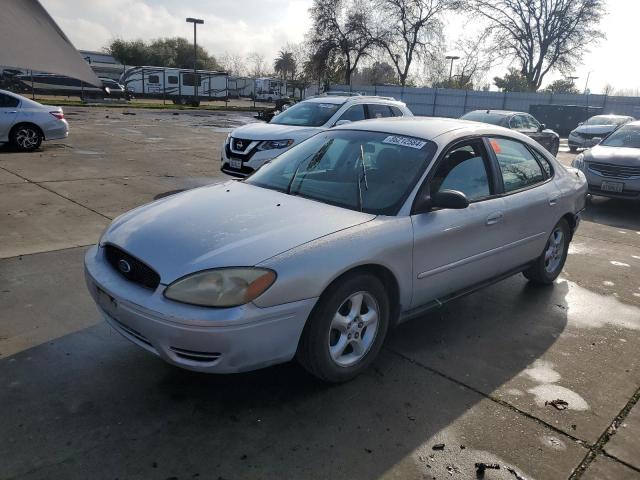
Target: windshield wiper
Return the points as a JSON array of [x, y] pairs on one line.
[[312, 164], [362, 177]]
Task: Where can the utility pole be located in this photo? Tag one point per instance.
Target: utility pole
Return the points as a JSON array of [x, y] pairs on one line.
[[196, 22]]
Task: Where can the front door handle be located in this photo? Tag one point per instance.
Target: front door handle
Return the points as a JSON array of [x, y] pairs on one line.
[[553, 202], [13, 111], [494, 218]]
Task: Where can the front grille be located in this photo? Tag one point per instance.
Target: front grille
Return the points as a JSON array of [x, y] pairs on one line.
[[131, 268], [614, 171], [240, 144], [192, 355]]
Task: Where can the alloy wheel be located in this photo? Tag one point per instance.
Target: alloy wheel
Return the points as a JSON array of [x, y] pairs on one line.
[[27, 138], [555, 251], [353, 329]]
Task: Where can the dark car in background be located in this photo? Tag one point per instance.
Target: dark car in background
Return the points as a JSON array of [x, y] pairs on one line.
[[521, 122], [612, 167], [598, 126]]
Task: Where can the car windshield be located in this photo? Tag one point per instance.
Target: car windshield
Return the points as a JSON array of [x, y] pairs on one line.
[[628, 136], [307, 114], [605, 120], [365, 171], [484, 117]]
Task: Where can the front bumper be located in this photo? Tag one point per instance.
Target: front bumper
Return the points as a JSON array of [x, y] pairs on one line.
[[248, 164], [630, 191], [212, 340]]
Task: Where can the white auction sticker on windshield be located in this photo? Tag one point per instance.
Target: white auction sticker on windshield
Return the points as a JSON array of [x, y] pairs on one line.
[[405, 141]]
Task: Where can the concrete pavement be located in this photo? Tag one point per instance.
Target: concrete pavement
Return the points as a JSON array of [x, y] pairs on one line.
[[81, 402]]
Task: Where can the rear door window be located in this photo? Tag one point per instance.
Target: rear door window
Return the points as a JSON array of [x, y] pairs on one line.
[[519, 167], [379, 111], [396, 111], [8, 102]]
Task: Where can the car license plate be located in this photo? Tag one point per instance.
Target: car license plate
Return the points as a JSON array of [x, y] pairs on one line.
[[237, 164], [612, 187], [107, 302]]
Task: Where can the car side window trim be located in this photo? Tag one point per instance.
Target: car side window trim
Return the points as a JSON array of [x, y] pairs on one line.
[[494, 158], [488, 163]]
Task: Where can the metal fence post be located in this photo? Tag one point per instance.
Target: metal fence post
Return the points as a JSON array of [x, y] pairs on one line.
[[164, 85], [255, 83], [226, 97], [464, 107], [435, 100], [504, 100]]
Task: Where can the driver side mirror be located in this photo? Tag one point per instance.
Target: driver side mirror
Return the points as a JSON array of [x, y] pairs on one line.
[[445, 199], [342, 122], [542, 127], [595, 141]]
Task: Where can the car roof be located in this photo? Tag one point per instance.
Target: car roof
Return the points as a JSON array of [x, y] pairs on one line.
[[427, 128], [340, 99], [499, 112]]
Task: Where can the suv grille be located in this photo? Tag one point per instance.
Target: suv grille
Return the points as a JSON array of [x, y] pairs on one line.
[[614, 171], [131, 268]]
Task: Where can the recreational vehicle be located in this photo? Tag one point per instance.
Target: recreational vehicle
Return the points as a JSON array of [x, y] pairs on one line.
[[53, 84], [176, 84], [270, 89]]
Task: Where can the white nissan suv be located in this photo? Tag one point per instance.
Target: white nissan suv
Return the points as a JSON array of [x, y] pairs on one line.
[[248, 147]]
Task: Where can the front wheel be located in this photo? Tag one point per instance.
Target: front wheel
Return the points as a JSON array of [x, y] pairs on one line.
[[555, 148], [346, 330], [550, 263], [26, 138]]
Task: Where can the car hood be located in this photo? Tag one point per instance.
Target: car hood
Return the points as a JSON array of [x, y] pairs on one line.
[[272, 131], [223, 225], [628, 157], [595, 129]]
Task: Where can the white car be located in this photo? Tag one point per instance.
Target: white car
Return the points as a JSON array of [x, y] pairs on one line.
[[25, 123], [249, 147]]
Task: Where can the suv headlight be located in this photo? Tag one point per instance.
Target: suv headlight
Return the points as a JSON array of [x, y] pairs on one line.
[[578, 162], [274, 144], [222, 287]]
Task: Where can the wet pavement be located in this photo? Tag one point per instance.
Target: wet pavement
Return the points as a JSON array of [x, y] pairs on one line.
[[481, 375]]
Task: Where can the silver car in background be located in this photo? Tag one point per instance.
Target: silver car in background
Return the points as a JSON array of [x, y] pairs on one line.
[[321, 251], [596, 127], [612, 167], [26, 123]]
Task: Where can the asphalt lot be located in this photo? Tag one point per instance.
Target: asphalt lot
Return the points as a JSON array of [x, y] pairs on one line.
[[78, 401]]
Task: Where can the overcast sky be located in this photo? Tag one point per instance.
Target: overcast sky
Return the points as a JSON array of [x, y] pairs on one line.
[[243, 26]]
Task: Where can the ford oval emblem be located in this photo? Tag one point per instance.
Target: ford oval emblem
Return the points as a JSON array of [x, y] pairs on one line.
[[124, 266]]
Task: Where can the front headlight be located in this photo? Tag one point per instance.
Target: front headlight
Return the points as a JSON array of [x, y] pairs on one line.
[[223, 287], [228, 139], [274, 144], [578, 162]]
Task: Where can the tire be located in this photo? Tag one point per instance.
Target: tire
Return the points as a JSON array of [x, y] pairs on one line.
[[555, 148], [334, 346], [26, 137], [573, 149], [550, 263]]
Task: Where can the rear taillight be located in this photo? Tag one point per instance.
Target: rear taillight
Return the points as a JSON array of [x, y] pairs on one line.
[[58, 115]]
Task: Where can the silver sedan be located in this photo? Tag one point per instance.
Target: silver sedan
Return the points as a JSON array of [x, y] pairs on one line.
[[325, 248], [25, 123]]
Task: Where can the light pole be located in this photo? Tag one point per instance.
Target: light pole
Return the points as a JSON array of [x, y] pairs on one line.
[[452, 58], [196, 22], [586, 85]]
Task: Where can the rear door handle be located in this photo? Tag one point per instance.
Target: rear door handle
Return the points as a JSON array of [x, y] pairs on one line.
[[494, 218]]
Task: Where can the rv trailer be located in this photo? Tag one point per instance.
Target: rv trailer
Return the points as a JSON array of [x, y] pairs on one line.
[[53, 84], [177, 84]]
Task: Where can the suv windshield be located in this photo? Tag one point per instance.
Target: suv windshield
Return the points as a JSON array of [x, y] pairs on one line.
[[365, 171], [628, 136], [484, 117], [604, 120], [307, 114]]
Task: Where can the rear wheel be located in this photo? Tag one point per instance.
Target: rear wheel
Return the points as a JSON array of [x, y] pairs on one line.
[[26, 138], [549, 265], [346, 330]]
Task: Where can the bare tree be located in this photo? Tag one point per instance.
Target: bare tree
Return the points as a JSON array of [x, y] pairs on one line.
[[256, 65], [542, 35], [232, 63], [342, 27], [410, 29]]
